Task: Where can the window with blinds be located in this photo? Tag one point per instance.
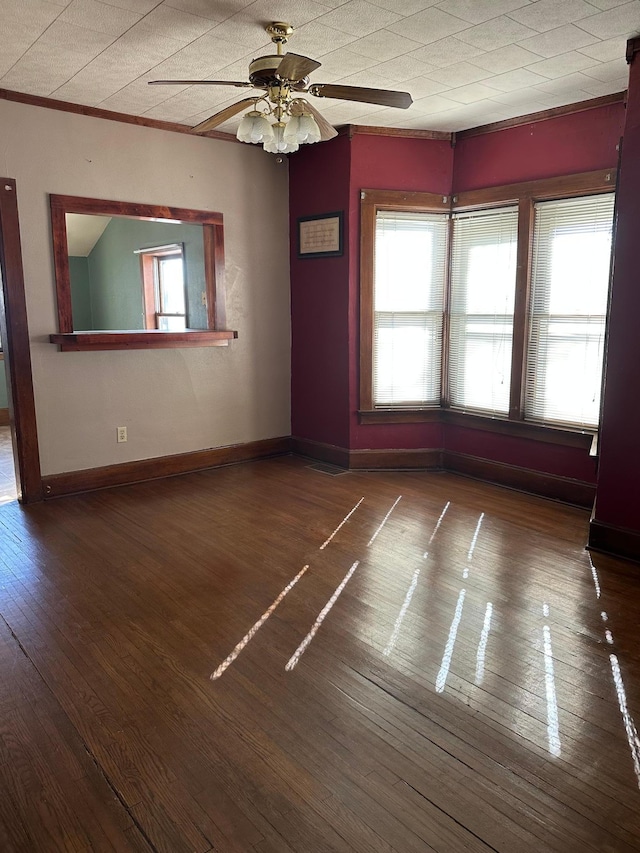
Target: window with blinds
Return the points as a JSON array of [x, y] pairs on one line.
[[569, 287], [482, 289], [409, 283]]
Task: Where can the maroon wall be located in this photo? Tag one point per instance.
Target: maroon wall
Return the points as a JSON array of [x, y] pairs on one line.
[[522, 452], [319, 183], [566, 145], [618, 496], [389, 163]]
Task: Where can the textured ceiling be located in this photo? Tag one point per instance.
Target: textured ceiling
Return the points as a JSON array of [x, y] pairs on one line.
[[465, 62]]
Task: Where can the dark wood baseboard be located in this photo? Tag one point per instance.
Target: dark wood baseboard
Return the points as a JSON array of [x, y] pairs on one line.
[[523, 479], [552, 486], [377, 460], [374, 460], [330, 453], [56, 485], [4, 417], [617, 541]]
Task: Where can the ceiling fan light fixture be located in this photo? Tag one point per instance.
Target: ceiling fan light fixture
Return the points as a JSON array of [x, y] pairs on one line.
[[302, 129], [279, 145], [254, 128], [280, 78]]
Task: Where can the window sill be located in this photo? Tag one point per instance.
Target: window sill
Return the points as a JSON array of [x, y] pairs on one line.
[[432, 414], [149, 339], [485, 423]]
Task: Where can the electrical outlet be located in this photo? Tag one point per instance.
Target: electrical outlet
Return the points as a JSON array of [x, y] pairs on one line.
[[122, 434]]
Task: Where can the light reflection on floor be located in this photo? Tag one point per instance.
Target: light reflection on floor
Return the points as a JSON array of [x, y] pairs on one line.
[[412, 587], [405, 604], [475, 537], [384, 521], [343, 522], [627, 719], [295, 657], [254, 630], [552, 709], [443, 673], [438, 523], [482, 645], [553, 727], [594, 575], [465, 573]]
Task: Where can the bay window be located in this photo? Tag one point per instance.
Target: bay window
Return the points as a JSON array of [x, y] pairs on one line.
[[490, 304]]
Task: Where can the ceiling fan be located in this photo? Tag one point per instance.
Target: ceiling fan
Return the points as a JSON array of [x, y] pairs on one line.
[[284, 80]]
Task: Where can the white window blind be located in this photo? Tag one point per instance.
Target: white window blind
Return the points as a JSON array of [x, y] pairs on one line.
[[483, 276], [570, 280], [410, 257]]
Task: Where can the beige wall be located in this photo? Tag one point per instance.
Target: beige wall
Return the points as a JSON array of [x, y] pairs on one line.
[[171, 401]]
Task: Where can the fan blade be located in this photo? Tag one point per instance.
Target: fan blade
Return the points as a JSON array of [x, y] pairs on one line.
[[385, 97], [327, 131], [199, 83], [223, 115], [295, 67]]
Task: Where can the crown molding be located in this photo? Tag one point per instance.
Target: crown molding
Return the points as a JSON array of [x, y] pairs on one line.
[[352, 130], [544, 115], [349, 130], [633, 46], [110, 115]]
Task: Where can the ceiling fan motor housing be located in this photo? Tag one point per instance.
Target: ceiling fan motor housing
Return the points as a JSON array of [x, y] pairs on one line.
[[262, 72]]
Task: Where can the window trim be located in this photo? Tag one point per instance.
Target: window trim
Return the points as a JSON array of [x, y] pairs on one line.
[[525, 195], [371, 202]]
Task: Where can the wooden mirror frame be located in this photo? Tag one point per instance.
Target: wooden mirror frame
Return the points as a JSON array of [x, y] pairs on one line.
[[213, 240]]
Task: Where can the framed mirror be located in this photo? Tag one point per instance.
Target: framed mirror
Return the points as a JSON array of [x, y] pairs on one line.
[[137, 275]]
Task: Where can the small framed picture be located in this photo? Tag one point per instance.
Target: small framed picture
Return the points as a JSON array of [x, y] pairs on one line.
[[320, 236]]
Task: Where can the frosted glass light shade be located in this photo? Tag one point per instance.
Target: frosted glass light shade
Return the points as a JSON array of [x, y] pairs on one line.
[[254, 128], [302, 129], [309, 129], [279, 145], [292, 131]]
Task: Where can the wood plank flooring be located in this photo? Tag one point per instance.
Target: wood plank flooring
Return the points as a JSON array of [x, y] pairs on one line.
[[8, 491], [403, 662]]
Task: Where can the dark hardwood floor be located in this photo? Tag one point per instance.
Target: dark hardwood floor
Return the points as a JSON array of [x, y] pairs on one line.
[[428, 663]]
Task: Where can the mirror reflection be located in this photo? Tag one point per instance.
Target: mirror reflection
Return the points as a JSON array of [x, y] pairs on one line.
[[132, 273]]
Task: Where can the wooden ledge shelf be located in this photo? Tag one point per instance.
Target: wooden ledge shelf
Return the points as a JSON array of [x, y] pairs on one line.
[[150, 339]]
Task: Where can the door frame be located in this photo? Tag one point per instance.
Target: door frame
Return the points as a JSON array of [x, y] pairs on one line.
[[17, 352]]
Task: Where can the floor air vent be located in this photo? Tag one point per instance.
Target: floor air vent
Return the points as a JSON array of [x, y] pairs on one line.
[[323, 468]]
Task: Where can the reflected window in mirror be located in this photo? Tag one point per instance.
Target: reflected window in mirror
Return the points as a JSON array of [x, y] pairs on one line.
[[164, 283], [132, 275]]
